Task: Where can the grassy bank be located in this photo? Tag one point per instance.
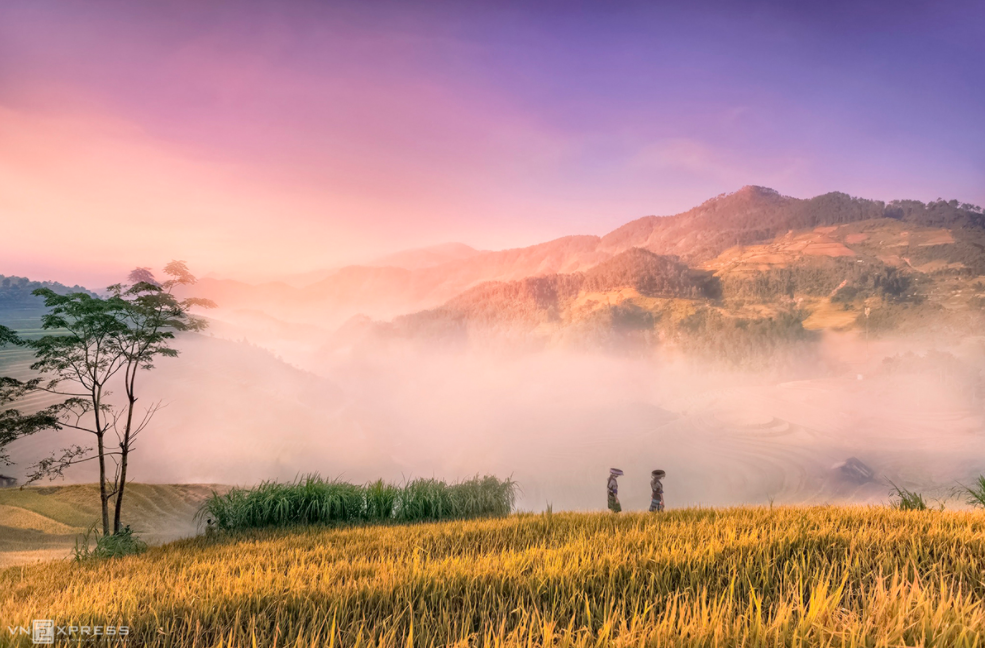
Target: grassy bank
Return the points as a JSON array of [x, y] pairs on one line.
[[313, 500], [43, 522], [748, 577]]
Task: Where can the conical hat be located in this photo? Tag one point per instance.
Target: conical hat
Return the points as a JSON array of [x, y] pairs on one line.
[[615, 471], [659, 473]]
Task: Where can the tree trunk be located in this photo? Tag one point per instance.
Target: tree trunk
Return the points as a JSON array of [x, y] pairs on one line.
[[119, 489], [124, 454], [103, 494]]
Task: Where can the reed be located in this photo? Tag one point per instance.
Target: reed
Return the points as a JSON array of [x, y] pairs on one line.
[[313, 500]]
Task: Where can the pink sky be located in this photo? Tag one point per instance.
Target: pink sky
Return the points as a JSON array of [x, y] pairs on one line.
[[263, 139]]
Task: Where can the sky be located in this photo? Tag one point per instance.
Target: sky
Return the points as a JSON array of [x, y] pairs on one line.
[[257, 139]]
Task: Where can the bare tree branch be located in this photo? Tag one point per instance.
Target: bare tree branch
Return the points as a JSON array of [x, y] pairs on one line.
[[53, 467]]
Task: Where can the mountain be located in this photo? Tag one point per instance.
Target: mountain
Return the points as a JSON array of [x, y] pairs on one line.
[[19, 308], [544, 298], [413, 259], [390, 291], [757, 214], [427, 257], [833, 262], [733, 233]]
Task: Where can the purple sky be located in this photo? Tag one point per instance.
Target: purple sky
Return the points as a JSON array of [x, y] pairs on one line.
[[263, 138]]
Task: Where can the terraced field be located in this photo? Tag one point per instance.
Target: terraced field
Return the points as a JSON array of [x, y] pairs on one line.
[[39, 523], [16, 362]]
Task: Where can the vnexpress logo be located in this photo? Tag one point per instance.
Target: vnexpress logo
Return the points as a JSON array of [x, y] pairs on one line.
[[43, 631]]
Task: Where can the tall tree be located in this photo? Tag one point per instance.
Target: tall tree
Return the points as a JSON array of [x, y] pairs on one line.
[[76, 359], [152, 316]]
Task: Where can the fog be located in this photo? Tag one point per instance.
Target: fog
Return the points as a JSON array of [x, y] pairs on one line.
[[556, 420]]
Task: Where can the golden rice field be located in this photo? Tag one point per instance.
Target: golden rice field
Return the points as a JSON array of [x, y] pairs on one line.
[[738, 577]]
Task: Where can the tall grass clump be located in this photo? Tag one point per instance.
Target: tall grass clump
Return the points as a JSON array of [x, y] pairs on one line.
[[314, 500], [92, 546], [976, 493], [907, 500], [381, 499]]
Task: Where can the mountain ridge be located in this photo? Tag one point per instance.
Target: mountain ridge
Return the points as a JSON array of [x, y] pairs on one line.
[[752, 215]]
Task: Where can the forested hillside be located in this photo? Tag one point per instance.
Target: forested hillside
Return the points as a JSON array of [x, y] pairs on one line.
[[21, 309], [757, 214]]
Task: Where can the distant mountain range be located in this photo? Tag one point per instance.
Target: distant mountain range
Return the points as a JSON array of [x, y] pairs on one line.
[[427, 257], [752, 267], [750, 254], [17, 303], [414, 259]]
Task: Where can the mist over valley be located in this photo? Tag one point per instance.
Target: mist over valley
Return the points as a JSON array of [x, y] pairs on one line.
[[749, 347]]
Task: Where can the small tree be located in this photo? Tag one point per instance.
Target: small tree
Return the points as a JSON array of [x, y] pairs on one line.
[[152, 317]]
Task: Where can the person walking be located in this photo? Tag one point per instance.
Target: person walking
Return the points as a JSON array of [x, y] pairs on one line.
[[612, 488], [656, 491]]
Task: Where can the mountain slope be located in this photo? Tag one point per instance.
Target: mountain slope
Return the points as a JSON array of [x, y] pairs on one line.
[[19, 308], [877, 274], [389, 291], [757, 214], [427, 257], [750, 216]]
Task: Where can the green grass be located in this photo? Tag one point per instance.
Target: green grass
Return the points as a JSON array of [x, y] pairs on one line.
[[907, 500], [975, 494], [313, 500], [822, 576], [93, 546]]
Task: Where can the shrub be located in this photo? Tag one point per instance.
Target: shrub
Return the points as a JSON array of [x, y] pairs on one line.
[[122, 543], [845, 295]]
